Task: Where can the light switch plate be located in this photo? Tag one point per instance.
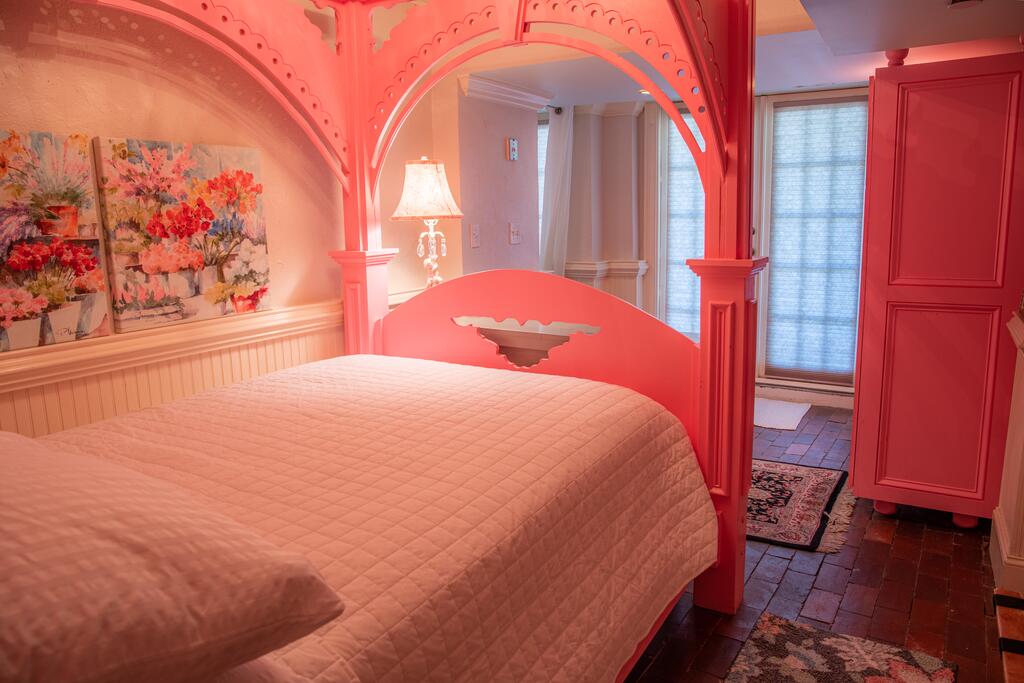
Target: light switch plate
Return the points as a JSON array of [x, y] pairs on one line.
[[474, 236], [515, 236], [512, 149]]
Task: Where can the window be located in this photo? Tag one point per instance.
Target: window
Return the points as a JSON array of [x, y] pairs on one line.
[[542, 153], [684, 232], [812, 212]]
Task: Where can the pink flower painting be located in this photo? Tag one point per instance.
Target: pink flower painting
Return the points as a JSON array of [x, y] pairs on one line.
[[185, 231], [51, 256]]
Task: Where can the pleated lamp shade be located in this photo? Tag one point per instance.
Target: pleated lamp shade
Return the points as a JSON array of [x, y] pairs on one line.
[[426, 194]]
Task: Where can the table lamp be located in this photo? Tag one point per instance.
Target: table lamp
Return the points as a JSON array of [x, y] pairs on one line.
[[427, 197]]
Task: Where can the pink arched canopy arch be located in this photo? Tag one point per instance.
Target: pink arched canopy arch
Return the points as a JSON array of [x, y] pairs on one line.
[[350, 98], [403, 74], [673, 37]]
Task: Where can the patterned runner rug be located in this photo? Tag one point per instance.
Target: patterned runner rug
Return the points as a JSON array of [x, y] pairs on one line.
[[780, 651], [791, 505]]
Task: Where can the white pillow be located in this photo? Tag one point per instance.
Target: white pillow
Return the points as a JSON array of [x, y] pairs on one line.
[[110, 575]]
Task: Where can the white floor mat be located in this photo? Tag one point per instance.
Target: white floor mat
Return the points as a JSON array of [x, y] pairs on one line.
[[778, 414]]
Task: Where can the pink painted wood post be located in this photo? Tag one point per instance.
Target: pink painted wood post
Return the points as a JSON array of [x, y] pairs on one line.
[[363, 262], [729, 314], [897, 57], [728, 335], [364, 278]]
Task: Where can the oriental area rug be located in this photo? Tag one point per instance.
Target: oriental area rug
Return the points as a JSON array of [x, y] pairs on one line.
[[781, 651], [795, 505]]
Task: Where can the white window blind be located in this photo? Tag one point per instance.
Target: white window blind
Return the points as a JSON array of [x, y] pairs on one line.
[[685, 233], [816, 215], [542, 153]]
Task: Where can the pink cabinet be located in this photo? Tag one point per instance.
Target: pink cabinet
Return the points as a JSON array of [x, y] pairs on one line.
[[943, 270]]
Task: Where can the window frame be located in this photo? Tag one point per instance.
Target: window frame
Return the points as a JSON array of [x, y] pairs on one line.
[[761, 205]]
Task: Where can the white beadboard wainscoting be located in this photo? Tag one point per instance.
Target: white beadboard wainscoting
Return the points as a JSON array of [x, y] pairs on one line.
[[57, 387]]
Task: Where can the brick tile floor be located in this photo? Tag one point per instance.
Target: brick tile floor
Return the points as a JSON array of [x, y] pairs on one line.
[[913, 580]]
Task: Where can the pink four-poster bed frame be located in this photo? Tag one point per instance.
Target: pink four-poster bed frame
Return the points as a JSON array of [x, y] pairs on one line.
[[350, 99]]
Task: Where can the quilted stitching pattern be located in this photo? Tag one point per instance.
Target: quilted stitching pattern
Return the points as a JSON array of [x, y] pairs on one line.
[[97, 561], [479, 524]]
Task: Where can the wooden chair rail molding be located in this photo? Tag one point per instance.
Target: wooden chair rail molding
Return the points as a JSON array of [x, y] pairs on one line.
[[50, 388]]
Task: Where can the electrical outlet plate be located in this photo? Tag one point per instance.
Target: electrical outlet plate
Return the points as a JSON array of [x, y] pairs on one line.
[[474, 236], [515, 236]]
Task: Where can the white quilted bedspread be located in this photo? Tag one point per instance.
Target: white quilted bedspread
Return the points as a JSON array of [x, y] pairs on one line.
[[480, 525]]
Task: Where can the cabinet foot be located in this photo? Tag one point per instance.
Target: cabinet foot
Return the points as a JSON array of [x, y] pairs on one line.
[[965, 521], [884, 507]]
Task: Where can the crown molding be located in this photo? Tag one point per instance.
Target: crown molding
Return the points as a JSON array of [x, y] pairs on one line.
[[503, 93]]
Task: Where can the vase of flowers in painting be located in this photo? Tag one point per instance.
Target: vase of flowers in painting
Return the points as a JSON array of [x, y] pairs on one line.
[[207, 278], [173, 265], [247, 299], [90, 288], [60, 220], [94, 310], [53, 176], [64, 321], [23, 334], [182, 283], [19, 317]]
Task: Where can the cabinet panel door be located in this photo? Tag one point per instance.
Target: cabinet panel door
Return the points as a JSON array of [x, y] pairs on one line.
[[943, 270]]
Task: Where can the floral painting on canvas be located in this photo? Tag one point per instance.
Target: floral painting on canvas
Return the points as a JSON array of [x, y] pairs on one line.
[[184, 229], [52, 281]]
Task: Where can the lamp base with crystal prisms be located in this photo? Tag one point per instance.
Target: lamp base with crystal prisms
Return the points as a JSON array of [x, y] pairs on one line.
[[427, 250]]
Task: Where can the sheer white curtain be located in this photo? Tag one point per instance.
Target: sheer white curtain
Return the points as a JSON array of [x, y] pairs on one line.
[[684, 230], [816, 214], [554, 222]]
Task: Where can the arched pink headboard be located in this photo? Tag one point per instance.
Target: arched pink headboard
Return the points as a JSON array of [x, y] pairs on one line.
[[632, 349]]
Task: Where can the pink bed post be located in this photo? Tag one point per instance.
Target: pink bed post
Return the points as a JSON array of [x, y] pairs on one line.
[[729, 311], [364, 264], [728, 337]]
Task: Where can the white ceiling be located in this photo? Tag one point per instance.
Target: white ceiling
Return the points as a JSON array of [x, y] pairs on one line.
[[586, 80], [854, 26]]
